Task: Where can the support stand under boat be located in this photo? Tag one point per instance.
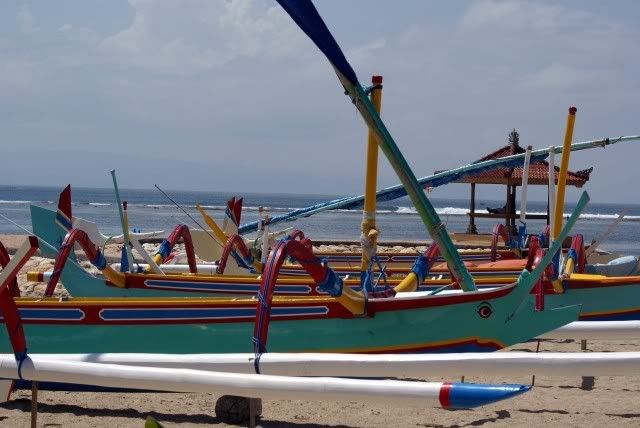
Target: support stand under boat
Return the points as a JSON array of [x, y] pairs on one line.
[[232, 409]]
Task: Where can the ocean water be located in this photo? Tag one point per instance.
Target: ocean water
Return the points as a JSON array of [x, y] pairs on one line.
[[397, 220]]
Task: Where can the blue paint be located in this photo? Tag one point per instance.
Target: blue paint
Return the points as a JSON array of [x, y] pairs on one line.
[[50, 314], [58, 386], [199, 286], [63, 220], [456, 348], [627, 316], [420, 268], [468, 395], [204, 313], [331, 284]]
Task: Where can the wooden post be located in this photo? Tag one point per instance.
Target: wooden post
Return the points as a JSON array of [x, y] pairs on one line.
[[254, 405], [562, 175], [549, 214], [368, 225], [512, 218], [471, 229], [34, 404], [507, 209]]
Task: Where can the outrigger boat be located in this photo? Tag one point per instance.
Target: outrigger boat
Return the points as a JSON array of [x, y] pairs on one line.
[[601, 297], [347, 321], [79, 283], [344, 321], [350, 322]]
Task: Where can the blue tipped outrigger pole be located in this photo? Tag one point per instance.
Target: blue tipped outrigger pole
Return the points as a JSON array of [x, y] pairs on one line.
[[305, 15], [436, 180]]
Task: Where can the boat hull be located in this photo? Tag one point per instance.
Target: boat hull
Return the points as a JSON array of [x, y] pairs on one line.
[[484, 321]]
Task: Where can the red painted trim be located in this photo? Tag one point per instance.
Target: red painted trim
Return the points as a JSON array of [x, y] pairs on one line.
[[395, 304], [577, 284], [445, 390]]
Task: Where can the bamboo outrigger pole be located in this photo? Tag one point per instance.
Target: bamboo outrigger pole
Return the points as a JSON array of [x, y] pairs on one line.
[[562, 175], [123, 223], [369, 237], [560, 192]]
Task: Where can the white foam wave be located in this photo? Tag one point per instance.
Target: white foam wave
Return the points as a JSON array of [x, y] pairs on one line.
[[14, 202], [406, 210], [158, 205], [99, 204], [454, 211], [214, 207]]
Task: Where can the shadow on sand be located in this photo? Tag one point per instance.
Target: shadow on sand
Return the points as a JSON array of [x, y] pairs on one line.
[[24, 405]]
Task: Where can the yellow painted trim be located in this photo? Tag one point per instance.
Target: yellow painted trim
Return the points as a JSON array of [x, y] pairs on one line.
[[33, 276], [557, 286], [137, 301], [569, 267], [408, 284], [117, 278], [587, 277], [217, 231], [562, 175]]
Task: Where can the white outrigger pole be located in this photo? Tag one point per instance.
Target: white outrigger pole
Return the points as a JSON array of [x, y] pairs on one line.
[[397, 392], [525, 184], [381, 365], [523, 196], [552, 193]]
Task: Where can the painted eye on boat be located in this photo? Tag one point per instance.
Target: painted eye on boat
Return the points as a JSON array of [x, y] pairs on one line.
[[484, 310]]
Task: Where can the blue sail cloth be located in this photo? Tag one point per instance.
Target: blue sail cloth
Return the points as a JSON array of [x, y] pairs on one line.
[[305, 14]]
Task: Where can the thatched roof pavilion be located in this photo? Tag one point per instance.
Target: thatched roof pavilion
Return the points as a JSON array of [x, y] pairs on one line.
[[512, 178]]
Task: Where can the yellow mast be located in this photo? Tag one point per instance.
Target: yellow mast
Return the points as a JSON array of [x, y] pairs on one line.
[[560, 191], [369, 235], [562, 175]]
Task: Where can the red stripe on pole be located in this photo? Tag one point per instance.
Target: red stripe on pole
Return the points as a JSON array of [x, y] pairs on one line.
[[445, 390]]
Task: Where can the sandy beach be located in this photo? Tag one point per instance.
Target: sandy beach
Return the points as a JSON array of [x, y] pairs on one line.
[[570, 401]]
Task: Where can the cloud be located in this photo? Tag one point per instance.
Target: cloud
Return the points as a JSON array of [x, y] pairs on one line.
[[524, 16], [25, 20], [235, 84], [563, 76], [173, 36]]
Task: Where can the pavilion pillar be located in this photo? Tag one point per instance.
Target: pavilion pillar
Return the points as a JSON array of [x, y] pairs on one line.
[[471, 229], [512, 219], [548, 213], [508, 207]]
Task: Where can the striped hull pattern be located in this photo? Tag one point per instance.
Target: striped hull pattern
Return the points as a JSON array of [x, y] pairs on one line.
[[200, 325], [354, 258]]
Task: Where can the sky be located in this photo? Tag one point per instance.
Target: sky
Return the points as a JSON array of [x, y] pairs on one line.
[[229, 95]]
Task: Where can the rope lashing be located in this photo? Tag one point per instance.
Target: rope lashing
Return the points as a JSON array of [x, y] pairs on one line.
[[332, 284], [20, 357], [370, 89], [420, 268]]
